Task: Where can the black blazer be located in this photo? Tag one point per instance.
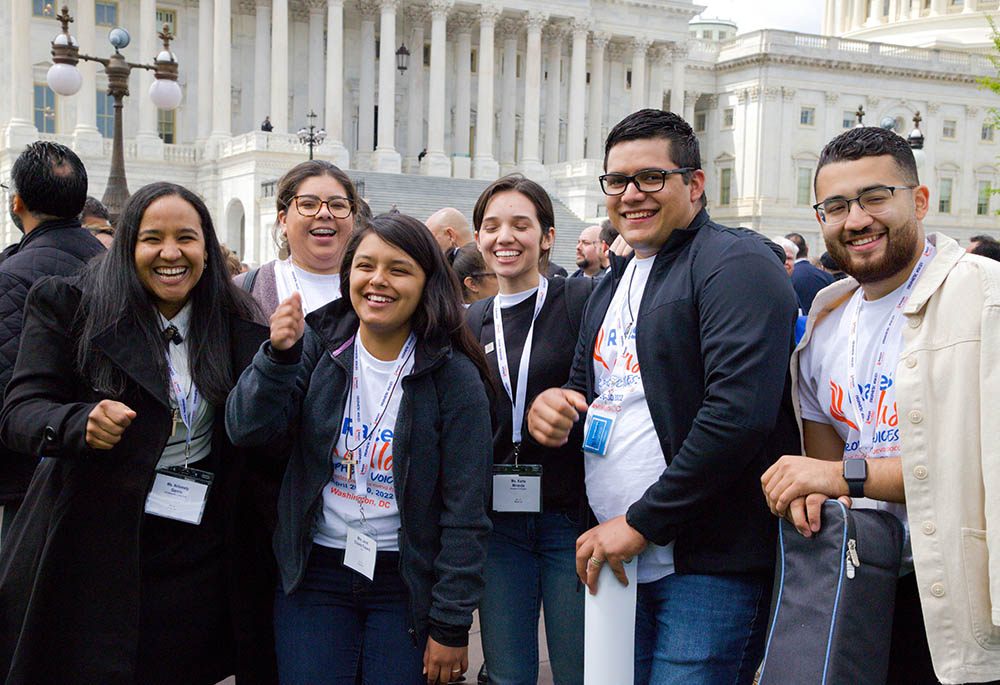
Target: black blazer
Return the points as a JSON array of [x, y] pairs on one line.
[[69, 569], [713, 335]]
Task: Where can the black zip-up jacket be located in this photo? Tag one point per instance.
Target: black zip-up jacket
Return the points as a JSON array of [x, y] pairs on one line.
[[58, 247], [441, 461], [713, 336]]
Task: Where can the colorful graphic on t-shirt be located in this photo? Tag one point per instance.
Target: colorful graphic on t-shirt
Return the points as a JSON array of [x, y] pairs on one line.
[[375, 464]]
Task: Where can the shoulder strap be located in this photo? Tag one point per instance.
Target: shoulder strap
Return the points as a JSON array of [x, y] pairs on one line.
[[250, 279]]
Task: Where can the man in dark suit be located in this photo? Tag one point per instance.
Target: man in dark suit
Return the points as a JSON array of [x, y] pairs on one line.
[[806, 278]]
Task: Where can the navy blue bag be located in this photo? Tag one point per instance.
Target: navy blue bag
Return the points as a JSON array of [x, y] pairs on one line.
[[834, 598]]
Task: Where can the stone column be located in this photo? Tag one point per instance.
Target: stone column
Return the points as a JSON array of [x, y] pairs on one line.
[[678, 55], [969, 6], [553, 35], [509, 29], [858, 15], [690, 99], [416, 16], [436, 163], [146, 137], [939, 7], [317, 64], [483, 164], [616, 87], [206, 19], [595, 122], [577, 90], [261, 63], [461, 159], [279, 66], [366, 85], [86, 136], [386, 158], [531, 160], [335, 83], [829, 16], [657, 57], [639, 46], [843, 15], [907, 8], [21, 127], [221, 61]]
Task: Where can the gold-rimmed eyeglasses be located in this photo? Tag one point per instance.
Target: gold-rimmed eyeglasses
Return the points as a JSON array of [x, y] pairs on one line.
[[310, 206]]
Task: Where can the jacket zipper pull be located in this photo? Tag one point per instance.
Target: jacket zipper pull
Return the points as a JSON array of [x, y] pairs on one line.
[[853, 561]]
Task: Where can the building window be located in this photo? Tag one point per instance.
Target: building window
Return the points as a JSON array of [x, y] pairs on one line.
[[43, 8], [517, 65], [948, 127], [474, 61], [727, 117], [803, 186], [848, 119], [983, 201], [166, 125], [944, 196], [725, 187], [106, 13], [168, 17], [45, 109], [699, 122], [807, 116], [987, 133], [628, 79], [427, 54], [105, 114]]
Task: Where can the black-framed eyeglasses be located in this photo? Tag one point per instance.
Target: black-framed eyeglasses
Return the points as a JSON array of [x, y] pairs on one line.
[[874, 201], [645, 181], [310, 206]]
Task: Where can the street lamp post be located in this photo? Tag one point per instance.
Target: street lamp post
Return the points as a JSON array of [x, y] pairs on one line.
[[64, 78], [309, 135]]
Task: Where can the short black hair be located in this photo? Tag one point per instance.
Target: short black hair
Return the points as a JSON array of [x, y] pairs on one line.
[[800, 243], [657, 123], [828, 262], [982, 238], [94, 207], [870, 141], [50, 179], [608, 232], [988, 248]]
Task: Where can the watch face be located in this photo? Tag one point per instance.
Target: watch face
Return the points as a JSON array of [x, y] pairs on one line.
[[855, 469]]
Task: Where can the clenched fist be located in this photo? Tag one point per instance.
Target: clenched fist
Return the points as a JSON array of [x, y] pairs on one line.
[[106, 423], [288, 323]]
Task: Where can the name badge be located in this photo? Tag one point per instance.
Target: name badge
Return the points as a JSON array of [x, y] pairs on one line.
[[179, 493], [517, 487], [359, 554], [601, 419]]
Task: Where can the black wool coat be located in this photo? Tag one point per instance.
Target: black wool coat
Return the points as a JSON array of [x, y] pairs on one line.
[[70, 567]]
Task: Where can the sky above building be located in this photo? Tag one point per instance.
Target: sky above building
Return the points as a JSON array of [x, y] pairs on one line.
[[805, 16]]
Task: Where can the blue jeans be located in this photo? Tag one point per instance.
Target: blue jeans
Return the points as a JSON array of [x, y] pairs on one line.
[[337, 620], [532, 561], [695, 629]]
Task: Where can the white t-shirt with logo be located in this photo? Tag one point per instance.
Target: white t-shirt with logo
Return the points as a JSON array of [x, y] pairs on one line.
[[825, 393], [340, 501], [633, 460], [317, 289]]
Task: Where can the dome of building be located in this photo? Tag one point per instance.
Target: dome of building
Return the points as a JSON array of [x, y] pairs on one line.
[[712, 29]]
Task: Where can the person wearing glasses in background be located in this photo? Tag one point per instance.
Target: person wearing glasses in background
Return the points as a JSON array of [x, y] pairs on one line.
[[924, 446], [673, 454], [317, 206], [477, 281], [591, 253], [96, 219]]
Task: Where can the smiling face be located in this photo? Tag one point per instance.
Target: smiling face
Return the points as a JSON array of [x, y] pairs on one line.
[[511, 240], [873, 248], [386, 285], [317, 243], [170, 252], [646, 220]]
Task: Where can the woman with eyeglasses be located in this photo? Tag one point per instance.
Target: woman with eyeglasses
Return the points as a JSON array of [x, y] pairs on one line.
[[529, 332], [477, 281], [317, 206]]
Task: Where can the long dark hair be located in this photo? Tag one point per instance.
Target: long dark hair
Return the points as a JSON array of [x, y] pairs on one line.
[[439, 317], [112, 293]]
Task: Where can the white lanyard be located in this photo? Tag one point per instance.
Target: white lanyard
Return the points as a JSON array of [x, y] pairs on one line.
[[296, 285], [401, 360], [187, 411], [517, 401], [865, 409]]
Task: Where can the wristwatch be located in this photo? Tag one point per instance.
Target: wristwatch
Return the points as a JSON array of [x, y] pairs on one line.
[[856, 473]]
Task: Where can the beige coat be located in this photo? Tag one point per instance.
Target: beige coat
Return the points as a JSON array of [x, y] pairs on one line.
[[948, 400]]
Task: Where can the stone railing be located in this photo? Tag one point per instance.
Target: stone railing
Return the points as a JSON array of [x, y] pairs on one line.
[[259, 141]]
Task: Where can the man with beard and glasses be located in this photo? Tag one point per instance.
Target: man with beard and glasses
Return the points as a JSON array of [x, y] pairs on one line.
[[898, 394], [45, 195]]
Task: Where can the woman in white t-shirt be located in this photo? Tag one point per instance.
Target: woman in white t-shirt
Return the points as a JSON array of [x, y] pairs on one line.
[[384, 391]]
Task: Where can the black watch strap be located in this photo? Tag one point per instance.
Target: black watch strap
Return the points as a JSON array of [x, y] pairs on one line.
[[856, 473], [856, 488]]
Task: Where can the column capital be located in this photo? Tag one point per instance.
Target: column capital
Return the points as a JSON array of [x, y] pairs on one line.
[[384, 5], [535, 20], [617, 50], [971, 111], [263, 3], [832, 96], [315, 6], [933, 107], [248, 7], [678, 51], [462, 22], [417, 14], [600, 39], [713, 101], [640, 44], [578, 26], [657, 54], [691, 97], [509, 27], [369, 9], [554, 32], [788, 94], [488, 13], [441, 8]]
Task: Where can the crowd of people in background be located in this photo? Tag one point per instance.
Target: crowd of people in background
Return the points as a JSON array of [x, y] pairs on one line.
[[316, 470]]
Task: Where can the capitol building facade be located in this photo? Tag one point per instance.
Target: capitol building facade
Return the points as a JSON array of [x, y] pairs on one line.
[[512, 85]]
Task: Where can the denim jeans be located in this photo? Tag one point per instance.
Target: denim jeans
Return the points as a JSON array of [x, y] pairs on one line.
[[336, 619], [532, 561], [701, 629]]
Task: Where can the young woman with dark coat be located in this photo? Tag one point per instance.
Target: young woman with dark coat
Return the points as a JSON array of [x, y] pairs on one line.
[[385, 391], [110, 573]]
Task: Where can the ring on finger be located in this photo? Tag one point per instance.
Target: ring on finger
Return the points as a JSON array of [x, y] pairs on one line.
[[596, 562]]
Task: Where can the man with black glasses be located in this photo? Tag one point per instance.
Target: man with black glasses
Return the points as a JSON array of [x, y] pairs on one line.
[[898, 394], [674, 453], [46, 193]]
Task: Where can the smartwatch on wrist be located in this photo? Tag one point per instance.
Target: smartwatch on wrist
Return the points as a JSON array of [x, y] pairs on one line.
[[856, 473]]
